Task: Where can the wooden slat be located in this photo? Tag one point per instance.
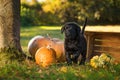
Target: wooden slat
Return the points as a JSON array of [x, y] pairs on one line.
[[113, 45], [110, 49], [116, 38], [107, 40], [108, 29], [90, 40], [95, 51], [107, 43]]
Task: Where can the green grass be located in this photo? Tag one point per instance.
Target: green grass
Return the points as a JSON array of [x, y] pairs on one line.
[[31, 71], [29, 32], [28, 70]]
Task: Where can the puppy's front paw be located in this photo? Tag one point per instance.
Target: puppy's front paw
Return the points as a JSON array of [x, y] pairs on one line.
[[69, 62]]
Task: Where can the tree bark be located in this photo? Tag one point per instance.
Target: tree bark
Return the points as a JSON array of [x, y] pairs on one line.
[[10, 26]]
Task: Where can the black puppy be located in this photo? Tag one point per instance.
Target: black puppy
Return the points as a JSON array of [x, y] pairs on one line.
[[75, 42]]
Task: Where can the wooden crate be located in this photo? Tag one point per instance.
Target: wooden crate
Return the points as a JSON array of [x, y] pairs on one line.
[[103, 40]]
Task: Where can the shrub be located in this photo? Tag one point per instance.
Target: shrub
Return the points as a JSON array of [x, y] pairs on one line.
[[102, 61]]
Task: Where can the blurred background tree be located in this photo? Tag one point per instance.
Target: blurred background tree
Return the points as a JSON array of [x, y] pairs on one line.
[[56, 12]]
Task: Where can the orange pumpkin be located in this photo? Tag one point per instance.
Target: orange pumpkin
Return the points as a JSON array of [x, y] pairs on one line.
[[37, 42], [59, 48], [45, 56]]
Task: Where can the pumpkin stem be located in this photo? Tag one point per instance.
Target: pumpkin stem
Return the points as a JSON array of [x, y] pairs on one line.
[[49, 46]]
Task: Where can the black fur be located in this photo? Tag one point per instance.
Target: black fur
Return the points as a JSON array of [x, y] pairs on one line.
[[75, 42]]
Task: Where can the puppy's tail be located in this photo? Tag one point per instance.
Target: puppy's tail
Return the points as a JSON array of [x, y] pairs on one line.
[[83, 29]]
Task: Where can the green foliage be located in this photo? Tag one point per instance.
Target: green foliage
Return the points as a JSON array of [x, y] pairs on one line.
[[54, 12], [30, 14], [30, 71], [97, 11], [17, 71]]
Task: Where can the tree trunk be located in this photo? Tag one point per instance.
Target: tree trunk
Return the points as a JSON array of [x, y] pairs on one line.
[[10, 28]]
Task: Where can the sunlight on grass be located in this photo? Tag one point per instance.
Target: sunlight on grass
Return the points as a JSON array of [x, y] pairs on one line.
[[28, 33], [51, 28]]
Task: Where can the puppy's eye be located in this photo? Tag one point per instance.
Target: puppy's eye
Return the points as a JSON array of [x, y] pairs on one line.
[[66, 27]]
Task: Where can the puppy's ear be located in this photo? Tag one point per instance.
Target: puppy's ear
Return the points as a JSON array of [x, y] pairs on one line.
[[62, 29]]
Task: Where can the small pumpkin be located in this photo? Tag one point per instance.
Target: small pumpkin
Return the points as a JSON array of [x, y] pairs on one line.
[[37, 42], [45, 56]]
